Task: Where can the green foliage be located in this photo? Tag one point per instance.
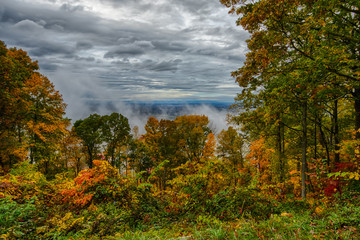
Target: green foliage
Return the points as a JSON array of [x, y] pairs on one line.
[[17, 220], [116, 135], [219, 233], [189, 210], [297, 80], [242, 202], [111, 131], [27, 171], [140, 158], [89, 130], [103, 220]]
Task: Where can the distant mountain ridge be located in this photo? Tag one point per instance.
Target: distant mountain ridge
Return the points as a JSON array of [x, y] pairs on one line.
[[173, 108]]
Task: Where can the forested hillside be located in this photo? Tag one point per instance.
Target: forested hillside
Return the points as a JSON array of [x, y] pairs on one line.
[[288, 168]]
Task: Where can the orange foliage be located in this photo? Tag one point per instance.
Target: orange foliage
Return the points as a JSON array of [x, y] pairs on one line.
[[259, 158], [209, 148], [97, 184]]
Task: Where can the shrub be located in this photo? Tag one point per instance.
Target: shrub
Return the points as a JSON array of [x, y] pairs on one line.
[[17, 220]]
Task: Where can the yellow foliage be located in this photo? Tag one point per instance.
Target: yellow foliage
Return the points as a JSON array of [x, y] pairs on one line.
[[319, 210], [284, 214], [259, 158], [66, 223]]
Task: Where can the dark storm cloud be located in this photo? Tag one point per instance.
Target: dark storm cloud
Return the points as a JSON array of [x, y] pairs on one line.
[[124, 51], [83, 45], [171, 65], [52, 18], [51, 49], [128, 48], [170, 46], [100, 52], [48, 67], [87, 59]]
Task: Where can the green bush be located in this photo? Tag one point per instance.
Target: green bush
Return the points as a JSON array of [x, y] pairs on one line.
[[237, 203], [17, 220]]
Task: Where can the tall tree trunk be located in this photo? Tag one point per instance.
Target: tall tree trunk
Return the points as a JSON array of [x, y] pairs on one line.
[[78, 161], [46, 166], [33, 155], [90, 161], [164, 178], [304, 148], [32, 161], [323, 142], [19, 134], [66, 163], [356, 95], [234, 174], [336, 133], [315, 138], [113, 158], [280, 151]]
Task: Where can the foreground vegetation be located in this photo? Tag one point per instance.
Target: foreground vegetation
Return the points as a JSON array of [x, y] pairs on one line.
[[101, 204], [289, 170]]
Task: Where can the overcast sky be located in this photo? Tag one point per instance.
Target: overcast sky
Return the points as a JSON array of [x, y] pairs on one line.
[[100, 53]]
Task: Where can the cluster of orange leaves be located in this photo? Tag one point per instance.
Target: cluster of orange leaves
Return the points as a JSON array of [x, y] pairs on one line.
[[92, 182], [259, 158]]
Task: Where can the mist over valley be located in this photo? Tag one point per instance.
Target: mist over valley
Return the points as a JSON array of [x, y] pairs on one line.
[[139, 112]]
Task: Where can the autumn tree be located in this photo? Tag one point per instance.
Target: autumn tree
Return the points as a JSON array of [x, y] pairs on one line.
[[231, 149], [108, 135], [15, 68], [45, 123], [209, 148], [307, 51], [161, 141], [259, 158], [152, 137], [32, 112], [71, 152], [90, 132], [116, 135], [193, 131], [140, 157], [175, 142]]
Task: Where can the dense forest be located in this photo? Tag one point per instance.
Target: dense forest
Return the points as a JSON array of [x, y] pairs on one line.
[[287, 168]]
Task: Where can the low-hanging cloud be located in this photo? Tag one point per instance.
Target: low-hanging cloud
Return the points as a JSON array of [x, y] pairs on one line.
[[139, 113]]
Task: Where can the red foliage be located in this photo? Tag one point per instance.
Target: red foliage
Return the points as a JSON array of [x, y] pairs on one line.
[[335, 185], [332, 188], [345, 167], [93, 184]]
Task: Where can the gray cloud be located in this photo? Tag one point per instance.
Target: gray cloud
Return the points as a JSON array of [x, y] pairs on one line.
[[171, 65], [101, 52], [83, 45], [48, 67], [164, 45], [71, 8], [124, 52]]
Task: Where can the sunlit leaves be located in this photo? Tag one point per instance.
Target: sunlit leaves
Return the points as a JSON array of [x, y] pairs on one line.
[[101, 183], [31, 109]]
